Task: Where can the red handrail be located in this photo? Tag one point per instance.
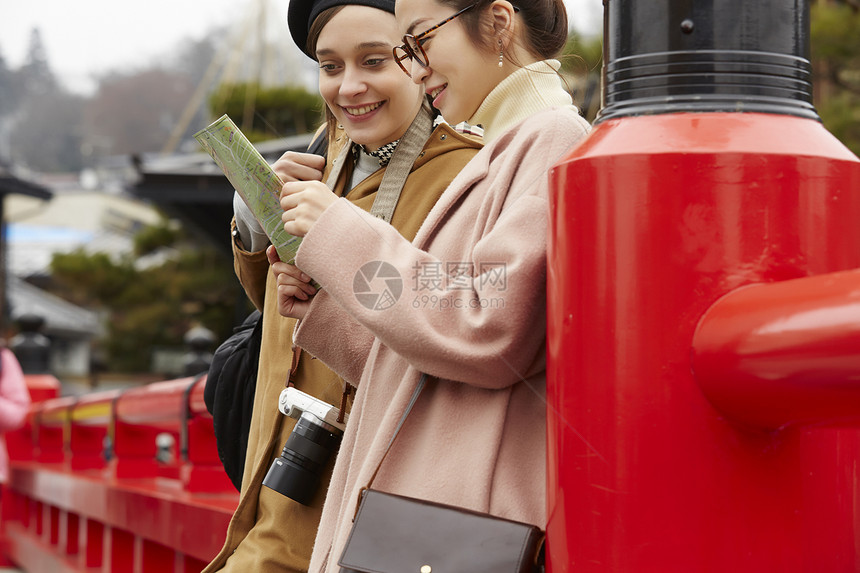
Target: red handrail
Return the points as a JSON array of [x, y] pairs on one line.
[[90, 488]]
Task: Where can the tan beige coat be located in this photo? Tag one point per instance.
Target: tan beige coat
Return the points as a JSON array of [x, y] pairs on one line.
[[268, 531]]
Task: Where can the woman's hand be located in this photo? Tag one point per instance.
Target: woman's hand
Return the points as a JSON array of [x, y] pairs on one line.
[[295, 166], [294, 288], [303, 202]]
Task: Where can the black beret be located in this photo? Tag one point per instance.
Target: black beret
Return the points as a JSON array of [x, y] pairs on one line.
[[302, 13]]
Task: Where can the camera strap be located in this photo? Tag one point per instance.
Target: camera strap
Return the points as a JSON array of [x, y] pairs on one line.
[[399, 167], [297, 352], [347, 388]]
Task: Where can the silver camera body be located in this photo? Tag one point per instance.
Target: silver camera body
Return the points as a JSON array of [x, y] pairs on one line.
[[296, 404]]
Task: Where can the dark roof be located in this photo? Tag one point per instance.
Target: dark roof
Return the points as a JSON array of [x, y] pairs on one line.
[[193, 188], [10, 184], [61, 317]]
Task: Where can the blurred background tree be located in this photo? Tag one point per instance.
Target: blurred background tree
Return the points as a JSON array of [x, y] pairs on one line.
[[153, 297], [835, 39], [582, 62], [43, 118], [113, 127], [278, 111]]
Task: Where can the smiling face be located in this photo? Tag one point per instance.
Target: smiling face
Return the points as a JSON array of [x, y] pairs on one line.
[[460, 74], [360, 82]]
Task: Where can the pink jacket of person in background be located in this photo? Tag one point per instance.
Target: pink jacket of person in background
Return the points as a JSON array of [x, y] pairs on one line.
[[14, 403]]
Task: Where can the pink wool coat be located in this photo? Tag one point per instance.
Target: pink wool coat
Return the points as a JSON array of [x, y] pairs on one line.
[[465, 303], [14, 403]]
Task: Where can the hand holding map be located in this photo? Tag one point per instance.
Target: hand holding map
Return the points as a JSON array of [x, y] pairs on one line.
[[253, 179]]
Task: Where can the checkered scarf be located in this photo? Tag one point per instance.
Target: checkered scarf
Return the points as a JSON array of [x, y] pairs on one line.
[[383, 154]]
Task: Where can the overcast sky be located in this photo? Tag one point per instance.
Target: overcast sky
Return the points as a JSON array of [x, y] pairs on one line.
[[89, 37]]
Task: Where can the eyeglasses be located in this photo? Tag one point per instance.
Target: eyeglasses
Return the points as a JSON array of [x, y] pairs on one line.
[[412, 48]]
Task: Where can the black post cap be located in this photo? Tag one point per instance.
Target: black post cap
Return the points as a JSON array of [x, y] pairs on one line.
[[667, 56]]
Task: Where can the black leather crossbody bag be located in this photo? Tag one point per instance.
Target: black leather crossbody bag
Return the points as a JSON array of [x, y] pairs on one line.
[[397, 534]]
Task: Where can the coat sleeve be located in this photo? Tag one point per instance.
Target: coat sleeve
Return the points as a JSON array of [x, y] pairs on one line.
[[343, 344], [251, 270], [487, 329], [14, 396]]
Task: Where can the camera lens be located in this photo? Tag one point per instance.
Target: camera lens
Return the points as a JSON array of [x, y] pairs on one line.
[[296, 472]]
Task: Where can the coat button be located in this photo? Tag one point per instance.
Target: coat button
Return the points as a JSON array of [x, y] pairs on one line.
[[442, 137]]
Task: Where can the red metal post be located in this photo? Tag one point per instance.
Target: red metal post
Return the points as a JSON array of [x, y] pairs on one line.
[[52, 427], [707, 170], [654, 219], [90, 430], [140, 415], [42, 387], [201, 469], [22, 444]]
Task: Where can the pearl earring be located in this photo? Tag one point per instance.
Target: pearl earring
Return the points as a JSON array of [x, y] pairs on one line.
[[501, 54]]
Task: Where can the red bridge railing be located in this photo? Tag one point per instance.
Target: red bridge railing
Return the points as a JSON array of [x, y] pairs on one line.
[[116, 481]]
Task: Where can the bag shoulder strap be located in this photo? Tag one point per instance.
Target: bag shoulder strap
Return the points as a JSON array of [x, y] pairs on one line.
[[418, 388]]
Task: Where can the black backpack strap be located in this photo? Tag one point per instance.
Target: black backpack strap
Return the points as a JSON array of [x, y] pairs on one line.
[[319, 145]]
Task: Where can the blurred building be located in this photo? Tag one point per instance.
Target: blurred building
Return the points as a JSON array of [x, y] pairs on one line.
[[69, 328], [78, 216], [12, 186], [67, 213]]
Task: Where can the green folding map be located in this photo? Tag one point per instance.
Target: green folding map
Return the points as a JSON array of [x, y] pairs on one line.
[[252, 177]]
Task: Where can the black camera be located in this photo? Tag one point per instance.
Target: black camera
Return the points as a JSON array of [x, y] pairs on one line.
[[315, 437]]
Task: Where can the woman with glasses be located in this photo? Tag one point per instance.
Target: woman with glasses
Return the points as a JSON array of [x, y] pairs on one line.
[[465, 299], [378, 121]]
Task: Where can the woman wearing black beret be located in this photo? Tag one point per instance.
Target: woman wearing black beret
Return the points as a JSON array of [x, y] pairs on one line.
[[376, 114]]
